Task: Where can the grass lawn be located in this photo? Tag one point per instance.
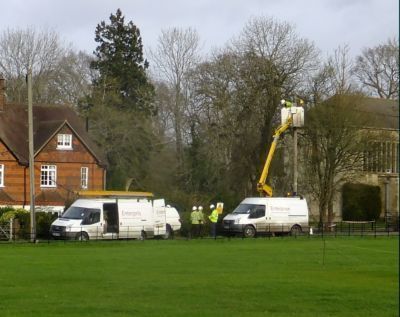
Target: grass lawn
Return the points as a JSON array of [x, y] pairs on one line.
[[253, 277]]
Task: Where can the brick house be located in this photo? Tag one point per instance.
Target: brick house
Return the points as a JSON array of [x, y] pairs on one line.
[[65, 159]]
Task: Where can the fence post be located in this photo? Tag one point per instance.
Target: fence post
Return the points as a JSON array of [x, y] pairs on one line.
[[11, 229]]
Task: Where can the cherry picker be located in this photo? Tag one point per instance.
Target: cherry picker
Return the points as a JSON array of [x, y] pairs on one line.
[[291, 116]]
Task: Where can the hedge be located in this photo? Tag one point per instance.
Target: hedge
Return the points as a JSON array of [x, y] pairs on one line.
[[361, 202]]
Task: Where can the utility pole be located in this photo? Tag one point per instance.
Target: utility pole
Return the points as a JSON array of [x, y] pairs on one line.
[[31, 158], [298, 122], [295, 161]]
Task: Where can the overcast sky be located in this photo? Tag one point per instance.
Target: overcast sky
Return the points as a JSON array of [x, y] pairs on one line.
[[328, 23]]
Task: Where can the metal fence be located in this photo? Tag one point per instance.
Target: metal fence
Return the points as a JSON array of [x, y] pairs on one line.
[[22, 233], [344, 228]]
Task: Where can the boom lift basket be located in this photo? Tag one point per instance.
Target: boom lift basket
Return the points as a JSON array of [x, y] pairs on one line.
[[297, 114]]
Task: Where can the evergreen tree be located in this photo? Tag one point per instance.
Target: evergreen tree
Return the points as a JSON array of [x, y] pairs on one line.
[[120, 106], [121, 65]]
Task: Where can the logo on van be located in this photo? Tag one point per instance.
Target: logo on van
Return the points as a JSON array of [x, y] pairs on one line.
[[130, 214], [279, 208]]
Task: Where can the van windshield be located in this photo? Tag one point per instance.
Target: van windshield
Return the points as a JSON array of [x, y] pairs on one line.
[[247, 208], [74, 212]]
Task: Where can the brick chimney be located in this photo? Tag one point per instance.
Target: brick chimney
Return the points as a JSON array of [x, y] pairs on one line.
[[2, 93]]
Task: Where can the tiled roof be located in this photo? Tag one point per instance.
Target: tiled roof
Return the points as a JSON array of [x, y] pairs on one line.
[[50, 197], [385, 112], [47, 120], [4, 197]]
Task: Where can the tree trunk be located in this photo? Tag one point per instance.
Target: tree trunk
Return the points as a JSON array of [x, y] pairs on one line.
[[331, 214]]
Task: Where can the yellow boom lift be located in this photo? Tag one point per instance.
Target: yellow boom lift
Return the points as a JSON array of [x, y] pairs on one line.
[[291, 115]]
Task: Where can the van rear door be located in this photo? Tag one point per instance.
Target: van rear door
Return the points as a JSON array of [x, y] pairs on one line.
[[159, 217]]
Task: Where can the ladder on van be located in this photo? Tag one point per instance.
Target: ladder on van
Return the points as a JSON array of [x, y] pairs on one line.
[[114, 194]]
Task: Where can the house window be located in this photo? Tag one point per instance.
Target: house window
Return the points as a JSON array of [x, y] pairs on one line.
[[64, 141], [48, 176], [84, 177], [1, 175], [382, 157]]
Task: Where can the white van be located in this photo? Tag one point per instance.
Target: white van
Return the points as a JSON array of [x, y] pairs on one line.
[[116, 218], [268, 215]]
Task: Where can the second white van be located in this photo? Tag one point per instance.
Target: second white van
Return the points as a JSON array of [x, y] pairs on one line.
[[268, 215]]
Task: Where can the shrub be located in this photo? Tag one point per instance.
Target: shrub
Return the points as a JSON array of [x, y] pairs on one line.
[[11, 213], [4, 210], [22, 221], [43, 223], [361, 202]]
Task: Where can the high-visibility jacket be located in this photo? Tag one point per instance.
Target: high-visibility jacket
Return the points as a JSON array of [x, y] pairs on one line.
[[194, 217], [214, 216], [288, 104], [201, 216]]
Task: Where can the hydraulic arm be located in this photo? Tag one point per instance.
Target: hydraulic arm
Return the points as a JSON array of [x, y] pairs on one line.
[[262, 187]]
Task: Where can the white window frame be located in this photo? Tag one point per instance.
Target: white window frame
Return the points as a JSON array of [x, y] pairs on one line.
[[84, 177], [1, 175], [64, 141], [48, 176]]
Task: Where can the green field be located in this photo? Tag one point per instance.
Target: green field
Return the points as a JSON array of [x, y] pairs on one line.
[[254, 277]]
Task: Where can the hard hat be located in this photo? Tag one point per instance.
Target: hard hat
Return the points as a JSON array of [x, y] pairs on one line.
[[194, 208], [200, 207], [283, 101], [212, 206]]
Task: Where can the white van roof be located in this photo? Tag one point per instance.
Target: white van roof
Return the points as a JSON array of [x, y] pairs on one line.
[[264, 200]]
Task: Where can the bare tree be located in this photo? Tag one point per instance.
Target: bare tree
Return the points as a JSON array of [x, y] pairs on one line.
[[340, 66], [237, 97], [176, 54], [277, 60], [332, 140], [332, 77], [57, 70], [378, 69], [334, 148]]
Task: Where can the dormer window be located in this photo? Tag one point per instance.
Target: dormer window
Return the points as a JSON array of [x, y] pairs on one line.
[[64, 141]]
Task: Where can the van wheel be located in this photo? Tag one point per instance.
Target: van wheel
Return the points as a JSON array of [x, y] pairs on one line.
[[295, 230], [249, 232], [82, 236]]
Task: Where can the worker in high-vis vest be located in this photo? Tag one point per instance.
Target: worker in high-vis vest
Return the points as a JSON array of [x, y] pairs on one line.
[[286, 103], [213, 219], [194, 222], [201, 221]]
